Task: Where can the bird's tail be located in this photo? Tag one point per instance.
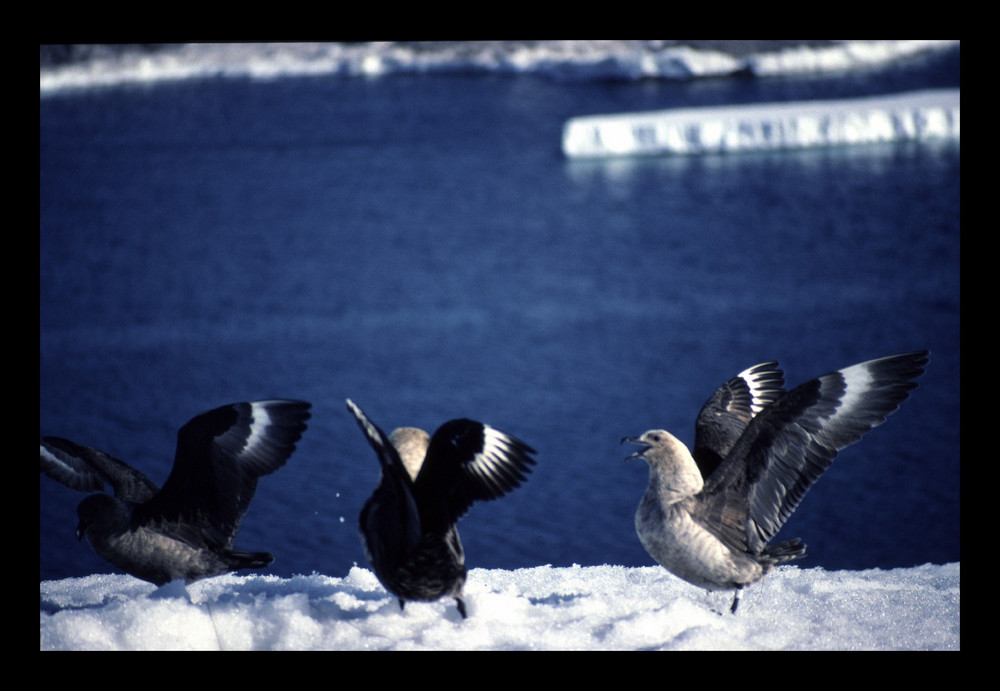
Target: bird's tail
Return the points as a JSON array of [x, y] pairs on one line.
[[782, 552], [250, 560]]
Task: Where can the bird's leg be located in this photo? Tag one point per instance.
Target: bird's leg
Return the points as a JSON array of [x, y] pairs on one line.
[[736, 599], [461, 606]]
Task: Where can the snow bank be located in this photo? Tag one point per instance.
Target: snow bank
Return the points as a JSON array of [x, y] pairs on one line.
[[541, 608], [933, 114]]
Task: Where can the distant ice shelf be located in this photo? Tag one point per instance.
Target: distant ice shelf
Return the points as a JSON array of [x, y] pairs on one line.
[[921, 115]]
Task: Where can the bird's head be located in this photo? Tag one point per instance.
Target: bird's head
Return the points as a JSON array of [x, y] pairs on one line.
[[654, 438], [95, 509]]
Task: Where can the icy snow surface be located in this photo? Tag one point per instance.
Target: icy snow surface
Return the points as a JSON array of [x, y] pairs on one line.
[[540, 608]]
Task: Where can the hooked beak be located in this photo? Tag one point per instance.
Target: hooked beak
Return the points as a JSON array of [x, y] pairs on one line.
[[635, 440]]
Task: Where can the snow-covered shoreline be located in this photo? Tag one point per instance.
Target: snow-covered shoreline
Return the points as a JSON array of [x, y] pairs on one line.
[[540, 608], [72, 68]]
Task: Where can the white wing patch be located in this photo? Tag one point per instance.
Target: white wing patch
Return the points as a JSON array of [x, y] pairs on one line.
[[51, 457], [496, 449], [261, 422], [760, 382], [493, 465], [857, 383]]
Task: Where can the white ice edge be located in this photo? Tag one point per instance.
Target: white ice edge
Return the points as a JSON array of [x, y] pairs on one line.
[[921, 115]]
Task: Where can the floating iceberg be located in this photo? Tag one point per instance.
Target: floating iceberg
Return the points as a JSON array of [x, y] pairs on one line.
[[922, 115]]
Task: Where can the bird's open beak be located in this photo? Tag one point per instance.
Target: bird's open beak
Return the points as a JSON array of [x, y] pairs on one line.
[[635, 440]]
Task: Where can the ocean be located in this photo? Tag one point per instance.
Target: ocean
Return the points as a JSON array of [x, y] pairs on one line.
[[411, 237]]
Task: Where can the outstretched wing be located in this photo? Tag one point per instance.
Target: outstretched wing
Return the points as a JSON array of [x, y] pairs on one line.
[[468, 461], [725, 416], [795, 439], [86, 470], [389, 520], [220, 455], [388, 456]]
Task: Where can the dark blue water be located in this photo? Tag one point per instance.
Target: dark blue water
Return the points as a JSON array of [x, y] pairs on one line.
[[420, 245]]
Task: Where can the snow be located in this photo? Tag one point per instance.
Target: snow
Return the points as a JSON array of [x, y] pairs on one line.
[[838, 57], [540, 608], [923, 115]]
